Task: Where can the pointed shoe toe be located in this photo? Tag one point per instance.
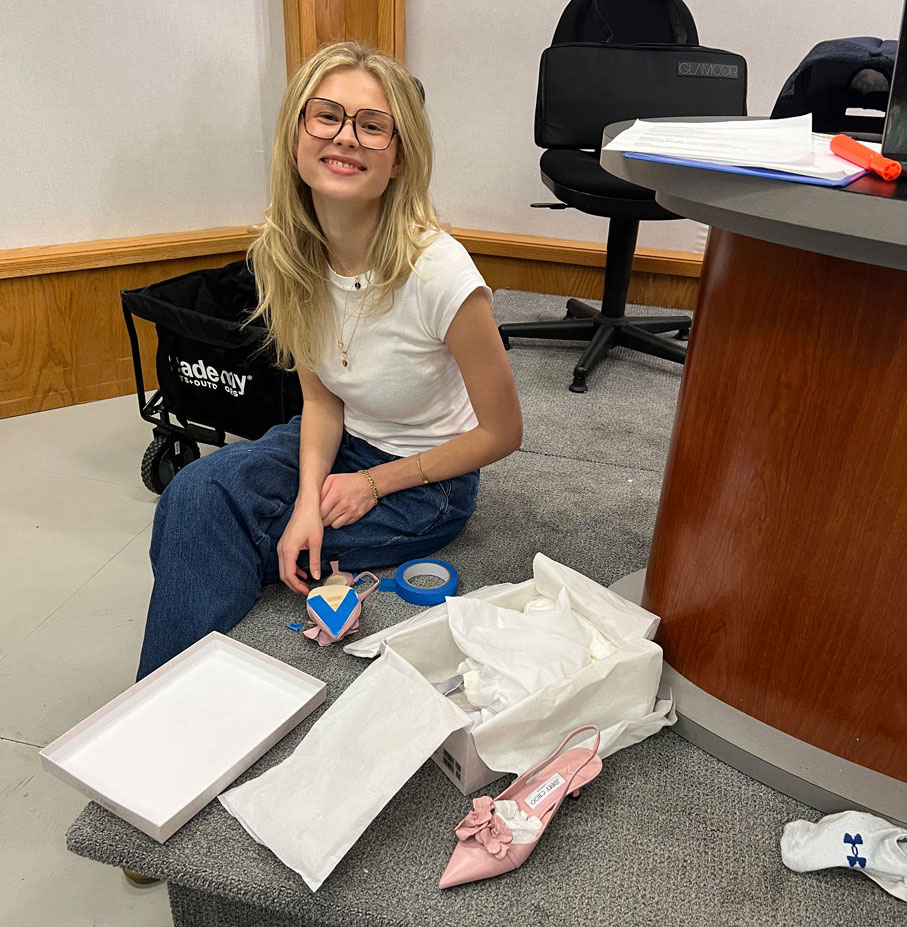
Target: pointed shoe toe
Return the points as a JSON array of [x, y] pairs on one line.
[[465, 866], [471, 862]]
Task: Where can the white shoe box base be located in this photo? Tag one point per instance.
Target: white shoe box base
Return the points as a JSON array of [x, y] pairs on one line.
[[158, 753]]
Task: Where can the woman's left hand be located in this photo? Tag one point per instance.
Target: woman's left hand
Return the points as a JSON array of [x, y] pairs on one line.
[[345, 498]]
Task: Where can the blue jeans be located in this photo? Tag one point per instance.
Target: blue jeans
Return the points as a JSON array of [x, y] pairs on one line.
[[217, 525]]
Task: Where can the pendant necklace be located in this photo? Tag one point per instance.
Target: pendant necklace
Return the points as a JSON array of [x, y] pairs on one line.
[[345, 346]]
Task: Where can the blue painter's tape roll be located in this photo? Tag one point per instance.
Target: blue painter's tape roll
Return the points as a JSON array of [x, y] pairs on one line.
[[416, 595]]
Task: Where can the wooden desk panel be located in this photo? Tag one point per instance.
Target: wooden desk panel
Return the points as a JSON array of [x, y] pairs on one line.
[[778, 561]]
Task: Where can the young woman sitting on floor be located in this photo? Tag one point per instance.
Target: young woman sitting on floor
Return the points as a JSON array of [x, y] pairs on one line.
[[406, 385]]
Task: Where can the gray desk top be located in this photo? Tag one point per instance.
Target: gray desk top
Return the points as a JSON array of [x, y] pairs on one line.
[[869, 229]]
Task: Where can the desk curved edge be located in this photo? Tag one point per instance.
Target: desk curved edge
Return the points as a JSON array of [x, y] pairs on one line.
[[867, 229]]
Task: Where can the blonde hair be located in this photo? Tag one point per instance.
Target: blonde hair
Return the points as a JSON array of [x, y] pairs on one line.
[[290, 254]]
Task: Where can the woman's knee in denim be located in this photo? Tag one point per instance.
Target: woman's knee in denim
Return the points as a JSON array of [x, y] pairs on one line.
[[192, 494]]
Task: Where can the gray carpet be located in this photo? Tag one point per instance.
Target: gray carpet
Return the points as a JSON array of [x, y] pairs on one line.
[[666, 835]]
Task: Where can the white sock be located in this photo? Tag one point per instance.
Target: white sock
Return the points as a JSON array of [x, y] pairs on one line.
[[852, 839]]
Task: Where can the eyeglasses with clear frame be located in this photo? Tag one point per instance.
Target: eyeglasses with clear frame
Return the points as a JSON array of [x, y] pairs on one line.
[[325, 119]]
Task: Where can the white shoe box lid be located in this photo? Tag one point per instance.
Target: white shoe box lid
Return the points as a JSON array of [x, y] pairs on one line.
[[158, 753]]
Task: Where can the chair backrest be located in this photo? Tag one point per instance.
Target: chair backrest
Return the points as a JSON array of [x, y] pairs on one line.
[[626, 22], [585, 86]]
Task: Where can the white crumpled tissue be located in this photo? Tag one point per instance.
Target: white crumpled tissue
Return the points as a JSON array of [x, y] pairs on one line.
[[511, 654]]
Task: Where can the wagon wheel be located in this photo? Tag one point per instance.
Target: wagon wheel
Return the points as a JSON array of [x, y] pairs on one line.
[[164, 458]]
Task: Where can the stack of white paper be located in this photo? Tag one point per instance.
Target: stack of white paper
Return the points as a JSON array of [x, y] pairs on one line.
[[786, 145]]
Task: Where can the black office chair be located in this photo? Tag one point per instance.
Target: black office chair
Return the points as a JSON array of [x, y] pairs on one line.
[[584, 86]]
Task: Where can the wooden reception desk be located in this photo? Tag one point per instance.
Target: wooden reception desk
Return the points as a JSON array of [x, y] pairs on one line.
[[778, 558]]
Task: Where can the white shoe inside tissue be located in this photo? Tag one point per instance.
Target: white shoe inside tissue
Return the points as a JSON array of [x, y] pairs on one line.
[[540, 603], [852, 839]]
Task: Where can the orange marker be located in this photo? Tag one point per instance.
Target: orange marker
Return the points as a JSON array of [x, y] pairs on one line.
[[845, 147]]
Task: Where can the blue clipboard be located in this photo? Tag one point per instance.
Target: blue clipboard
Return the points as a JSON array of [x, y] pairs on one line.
[[751, 171]]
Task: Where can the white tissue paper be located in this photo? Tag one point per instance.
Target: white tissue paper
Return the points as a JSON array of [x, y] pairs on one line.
[[316, 804], [581, 660], [614, 616], [512, 654], [616, 694], [370, 646], [612, 685]]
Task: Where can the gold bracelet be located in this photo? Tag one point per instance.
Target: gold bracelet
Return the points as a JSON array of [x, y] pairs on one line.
[[425, 479], [371, 483]]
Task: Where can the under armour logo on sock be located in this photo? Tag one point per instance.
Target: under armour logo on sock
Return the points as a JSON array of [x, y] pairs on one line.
[[855, 841]]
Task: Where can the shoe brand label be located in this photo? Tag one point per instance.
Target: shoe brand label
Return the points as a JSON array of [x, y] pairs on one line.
[[200, 374], [706, 69], [543, 791]]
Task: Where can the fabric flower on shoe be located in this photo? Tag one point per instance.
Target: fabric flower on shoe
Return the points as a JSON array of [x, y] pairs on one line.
[[487, 827]]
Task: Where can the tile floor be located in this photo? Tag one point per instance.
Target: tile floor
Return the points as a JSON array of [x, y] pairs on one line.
[[75, 522]]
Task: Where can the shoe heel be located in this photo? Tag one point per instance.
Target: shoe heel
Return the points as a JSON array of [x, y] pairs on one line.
[[136, 878], [574, 795]]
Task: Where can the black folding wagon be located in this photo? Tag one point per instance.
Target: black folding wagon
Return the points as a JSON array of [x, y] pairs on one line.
[[216, 375]]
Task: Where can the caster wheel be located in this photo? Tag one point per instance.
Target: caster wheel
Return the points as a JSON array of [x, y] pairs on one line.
[[164, 458], [682, 335]]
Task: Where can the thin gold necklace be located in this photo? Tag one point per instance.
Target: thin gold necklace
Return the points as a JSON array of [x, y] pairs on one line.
[[357, 282], [345, 347]]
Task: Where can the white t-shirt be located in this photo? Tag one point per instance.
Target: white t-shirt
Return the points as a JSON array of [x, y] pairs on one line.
[[402, 390]]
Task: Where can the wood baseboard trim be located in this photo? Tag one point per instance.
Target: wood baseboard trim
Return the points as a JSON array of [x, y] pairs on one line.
[[565, 267], [72, 397], [113, 252], [52, 259], [569, 251], [62, 338]]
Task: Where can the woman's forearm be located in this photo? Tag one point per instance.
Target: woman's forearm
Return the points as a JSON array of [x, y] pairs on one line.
[[469, 451], [319, 438]]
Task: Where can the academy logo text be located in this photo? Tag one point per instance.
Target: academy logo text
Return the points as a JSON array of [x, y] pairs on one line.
[[198, 374]]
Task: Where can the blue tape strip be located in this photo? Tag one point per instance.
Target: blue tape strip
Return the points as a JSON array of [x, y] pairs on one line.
[[333, 618], [416, 595]]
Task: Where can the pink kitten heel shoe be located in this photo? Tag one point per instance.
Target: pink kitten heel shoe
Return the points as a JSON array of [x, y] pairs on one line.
[[499, 834]]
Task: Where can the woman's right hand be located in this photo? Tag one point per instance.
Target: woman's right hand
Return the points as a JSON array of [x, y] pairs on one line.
[[304, 531]]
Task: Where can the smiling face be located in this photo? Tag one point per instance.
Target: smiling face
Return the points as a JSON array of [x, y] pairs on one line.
[[340, 169]]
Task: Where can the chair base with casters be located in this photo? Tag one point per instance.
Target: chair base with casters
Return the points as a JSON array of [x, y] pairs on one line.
[[608, 327]]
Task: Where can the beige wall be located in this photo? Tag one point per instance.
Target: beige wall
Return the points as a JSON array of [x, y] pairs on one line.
[[125, 118], [479, 63], [129, 117]]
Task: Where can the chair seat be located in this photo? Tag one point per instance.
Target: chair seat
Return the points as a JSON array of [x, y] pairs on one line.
[[577, 179]]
